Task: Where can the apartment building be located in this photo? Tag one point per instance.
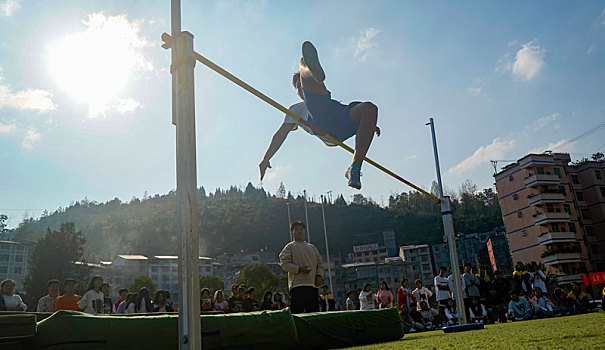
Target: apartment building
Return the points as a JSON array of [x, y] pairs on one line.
[[419, 263], [553, 213], [374, 246], [14, 261]]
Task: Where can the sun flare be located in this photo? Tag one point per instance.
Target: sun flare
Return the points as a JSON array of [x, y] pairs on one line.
[[94, 66]]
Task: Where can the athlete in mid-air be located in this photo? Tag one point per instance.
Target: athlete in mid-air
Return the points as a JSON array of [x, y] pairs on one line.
[[319, 109]]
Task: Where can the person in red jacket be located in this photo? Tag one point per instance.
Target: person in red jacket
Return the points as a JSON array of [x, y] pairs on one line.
[[403, 294]]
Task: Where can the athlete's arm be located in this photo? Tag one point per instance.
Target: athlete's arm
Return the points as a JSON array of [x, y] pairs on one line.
[[278, 139]]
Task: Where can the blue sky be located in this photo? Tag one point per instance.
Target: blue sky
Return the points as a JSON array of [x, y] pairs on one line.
[[85, 92]]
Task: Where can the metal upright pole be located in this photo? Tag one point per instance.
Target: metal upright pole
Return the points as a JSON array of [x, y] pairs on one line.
[[182, 69], [448, 227], [289, 221], [323, 214], [307, 218]]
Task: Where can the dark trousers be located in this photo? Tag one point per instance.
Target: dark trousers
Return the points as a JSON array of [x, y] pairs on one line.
[[304, 299]]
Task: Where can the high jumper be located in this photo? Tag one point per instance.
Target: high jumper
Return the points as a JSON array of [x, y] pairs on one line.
[[319, 109]]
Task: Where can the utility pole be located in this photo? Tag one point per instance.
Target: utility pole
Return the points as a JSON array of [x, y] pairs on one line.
[[307, 218], [289, 221], [448, 227], [323, 214]]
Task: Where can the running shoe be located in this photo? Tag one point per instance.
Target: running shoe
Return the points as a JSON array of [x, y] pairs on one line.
[[311, 59], [354, 177]]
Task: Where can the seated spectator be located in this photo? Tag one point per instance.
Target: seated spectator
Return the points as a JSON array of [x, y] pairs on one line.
[[518, 308], [279, 303], [350, 304], [451, 314], [169, 304], [9, 301], [521, 278], [603, 299], [69, 300], [429, 314], [404, 294], [236, 302], [477, 311], [250, 303], [409, 325], [542, 306], [420, 293], [420, 324], [206, 300], [220, 304], [326, 300], [123, 294], [496, 307], [366, 298], [579, 298], [384, 296], [537, 277], [267, 303], [107, 304], [563, 305], [47, 302]]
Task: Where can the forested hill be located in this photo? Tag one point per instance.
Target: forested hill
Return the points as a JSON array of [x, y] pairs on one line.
[[250, 219]]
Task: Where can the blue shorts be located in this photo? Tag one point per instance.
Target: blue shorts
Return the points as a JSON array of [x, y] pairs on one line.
[[331, 116]]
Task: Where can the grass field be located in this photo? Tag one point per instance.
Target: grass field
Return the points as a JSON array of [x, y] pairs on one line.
[[572, 332]]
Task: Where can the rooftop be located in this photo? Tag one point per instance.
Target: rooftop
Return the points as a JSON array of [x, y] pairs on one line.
[[133, 257]]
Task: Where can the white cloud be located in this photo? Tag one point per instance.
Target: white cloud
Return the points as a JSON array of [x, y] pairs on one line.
[[540, 123], [127, 105], [365, 43], [473, 91], [8, 7], [504, 64], [529, 60], [496, 150], [590, 49], [6, 128], [602, 17], [31, 99], [559, 146], [30, 138]]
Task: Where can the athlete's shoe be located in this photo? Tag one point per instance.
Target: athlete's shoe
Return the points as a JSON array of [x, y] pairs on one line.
[[354, 177], [311, 59]]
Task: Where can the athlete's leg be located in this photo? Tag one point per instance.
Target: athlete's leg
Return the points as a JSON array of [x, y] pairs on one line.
[[365, 115], [308, 82]]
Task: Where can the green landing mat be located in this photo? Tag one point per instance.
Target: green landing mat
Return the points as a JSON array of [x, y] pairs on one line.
[[325, 330]]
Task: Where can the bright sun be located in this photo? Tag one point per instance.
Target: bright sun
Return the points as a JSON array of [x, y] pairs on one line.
[[95, 65]]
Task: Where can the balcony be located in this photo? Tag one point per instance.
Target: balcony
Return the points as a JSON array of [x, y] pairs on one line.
[[543, 198], [550, 218], [541, 179], [562, 258], [556, 237], [569, 278]]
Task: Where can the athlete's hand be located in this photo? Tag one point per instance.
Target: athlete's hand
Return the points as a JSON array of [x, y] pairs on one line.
[[377, 131], [263, 168], [318, 281]]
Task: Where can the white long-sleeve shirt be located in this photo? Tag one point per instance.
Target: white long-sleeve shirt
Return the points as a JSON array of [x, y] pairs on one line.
[[298, 254], [364, 303], [91, 302]]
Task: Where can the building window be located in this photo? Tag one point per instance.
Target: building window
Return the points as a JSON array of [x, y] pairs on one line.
[[524, 233], [580, 196], [17, 270], [567, 208], [594, 249], [3, 257], [18, 258], [515, 196], [586, 214], [597, 173], [574, 179], [562, 190], [540, 170], [519, 214], [572, 227], [3, 269], [558, 172], [510, 178], [550, 208], [602, 189]]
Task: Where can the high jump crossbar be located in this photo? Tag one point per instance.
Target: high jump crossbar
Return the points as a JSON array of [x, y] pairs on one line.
[[166, 38]]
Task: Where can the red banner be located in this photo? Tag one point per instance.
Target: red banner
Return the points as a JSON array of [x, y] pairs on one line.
[[491, 254], [594, 278]]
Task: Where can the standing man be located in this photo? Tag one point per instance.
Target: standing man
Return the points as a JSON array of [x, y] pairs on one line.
[[442, 290], [48, 302], [320, 110], [305, 270], [471, 283], [69, 300]]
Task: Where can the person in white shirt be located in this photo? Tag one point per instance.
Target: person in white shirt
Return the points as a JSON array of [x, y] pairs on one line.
[[537, 278], [421, 293], [366, 298], [477, 311], [10, 301], [92, 300], [442, 288]]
